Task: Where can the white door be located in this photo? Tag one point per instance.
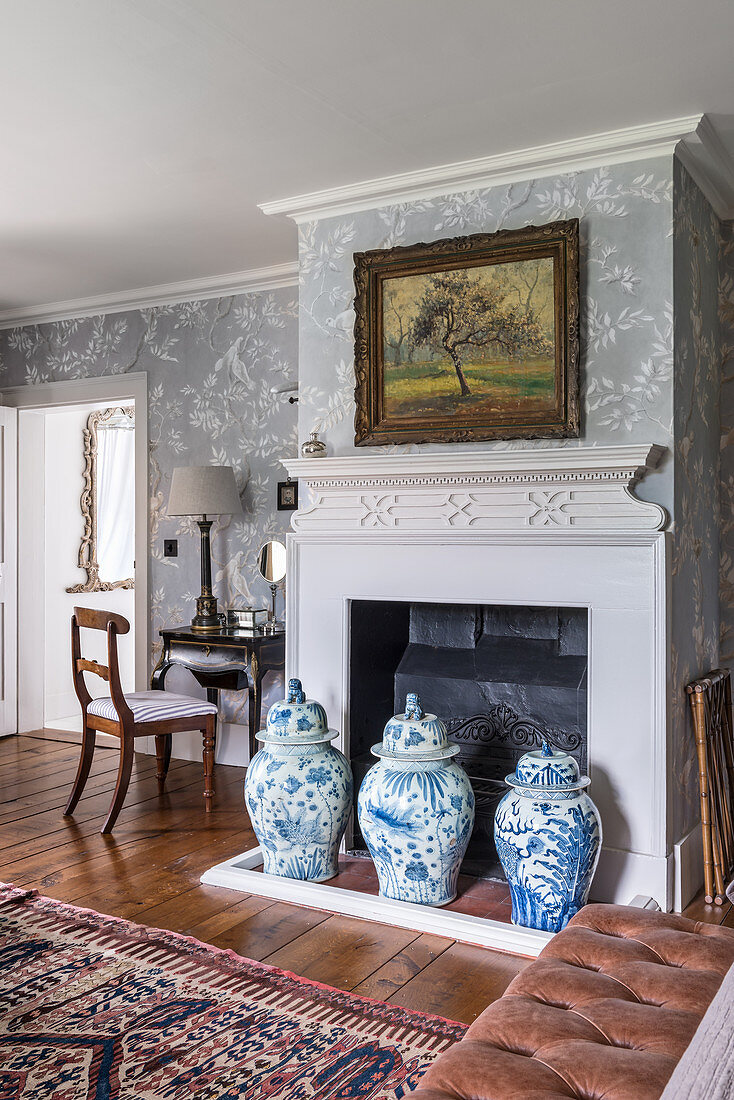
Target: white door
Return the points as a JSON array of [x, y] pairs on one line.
[[8, 570]]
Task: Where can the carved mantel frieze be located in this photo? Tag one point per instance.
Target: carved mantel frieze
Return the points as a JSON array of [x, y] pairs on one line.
[[587, 488]]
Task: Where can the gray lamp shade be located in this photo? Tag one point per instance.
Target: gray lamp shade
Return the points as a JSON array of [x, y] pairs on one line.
[[202, 491]]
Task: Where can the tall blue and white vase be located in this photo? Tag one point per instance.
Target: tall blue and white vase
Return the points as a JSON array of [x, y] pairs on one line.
[[548, 837], [298, 790], [416, 809]]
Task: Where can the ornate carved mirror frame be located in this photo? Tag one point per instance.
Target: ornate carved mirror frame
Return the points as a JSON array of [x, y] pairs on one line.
[[88, 548]]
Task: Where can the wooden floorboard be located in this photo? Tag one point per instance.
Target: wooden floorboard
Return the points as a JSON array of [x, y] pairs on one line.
[[455, 981], [708, 914], [148, 870]]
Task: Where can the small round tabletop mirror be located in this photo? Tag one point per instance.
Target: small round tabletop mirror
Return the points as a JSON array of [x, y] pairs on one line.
[[271, 562]]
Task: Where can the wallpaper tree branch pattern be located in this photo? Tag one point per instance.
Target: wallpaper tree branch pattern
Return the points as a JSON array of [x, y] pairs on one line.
[[216, 371], [726, 533], [695, 561]]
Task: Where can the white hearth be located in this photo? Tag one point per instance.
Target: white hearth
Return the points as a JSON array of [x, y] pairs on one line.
[[558, 527]]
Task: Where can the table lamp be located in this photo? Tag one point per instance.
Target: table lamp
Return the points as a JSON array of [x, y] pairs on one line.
[[204, 491]]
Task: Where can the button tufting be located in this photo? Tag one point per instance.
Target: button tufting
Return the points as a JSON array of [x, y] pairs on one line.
[[642, 1014]]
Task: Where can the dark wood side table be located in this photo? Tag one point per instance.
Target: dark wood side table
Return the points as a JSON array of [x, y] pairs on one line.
[[226, 660]]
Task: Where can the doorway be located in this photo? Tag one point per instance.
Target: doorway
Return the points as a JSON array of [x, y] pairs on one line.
[[53, 520]]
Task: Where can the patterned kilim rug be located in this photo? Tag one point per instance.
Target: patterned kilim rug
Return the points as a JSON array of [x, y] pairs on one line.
[[96, 1008]]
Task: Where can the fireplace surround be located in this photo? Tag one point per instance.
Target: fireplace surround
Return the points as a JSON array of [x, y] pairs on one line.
[[556, 527]]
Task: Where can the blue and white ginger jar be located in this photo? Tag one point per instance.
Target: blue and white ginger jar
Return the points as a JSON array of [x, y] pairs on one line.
[[298, 790], [416, 809], [548, 837]]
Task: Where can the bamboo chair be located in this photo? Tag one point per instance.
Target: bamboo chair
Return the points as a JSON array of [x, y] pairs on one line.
[[156, 714], [710, 700]]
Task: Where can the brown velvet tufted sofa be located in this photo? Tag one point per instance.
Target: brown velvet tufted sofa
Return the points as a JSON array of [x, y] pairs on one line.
[[605, 1012]]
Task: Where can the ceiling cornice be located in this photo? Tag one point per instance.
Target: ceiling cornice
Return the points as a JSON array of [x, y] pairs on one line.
[[706, 158], [612, 147], [164, 294]]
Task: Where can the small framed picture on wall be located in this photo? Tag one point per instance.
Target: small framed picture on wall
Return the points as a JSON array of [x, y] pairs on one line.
[[287, 496]]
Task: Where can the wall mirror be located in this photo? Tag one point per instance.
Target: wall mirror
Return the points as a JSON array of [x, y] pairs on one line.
[[107, 550]]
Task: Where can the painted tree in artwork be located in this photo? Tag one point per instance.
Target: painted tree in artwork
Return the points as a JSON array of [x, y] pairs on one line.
[[457, 312], [397, 328]]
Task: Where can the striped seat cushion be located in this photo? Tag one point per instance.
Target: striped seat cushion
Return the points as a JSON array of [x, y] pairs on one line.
[[153, 706]]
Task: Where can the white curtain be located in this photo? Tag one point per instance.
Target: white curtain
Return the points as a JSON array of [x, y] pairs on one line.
[[115, 503]]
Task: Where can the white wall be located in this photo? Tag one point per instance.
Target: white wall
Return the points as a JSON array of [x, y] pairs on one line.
[[63, 527]]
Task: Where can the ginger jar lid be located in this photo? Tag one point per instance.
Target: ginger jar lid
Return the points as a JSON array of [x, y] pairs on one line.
[[415, 735], [548, 769], [296, 719]]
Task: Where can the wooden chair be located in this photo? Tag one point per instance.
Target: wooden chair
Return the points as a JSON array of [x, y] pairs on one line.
[[156, 714]]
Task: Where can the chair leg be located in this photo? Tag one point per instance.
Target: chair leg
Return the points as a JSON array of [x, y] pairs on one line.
[[163, 755], [85, 762], [209, 738], [127, 745]]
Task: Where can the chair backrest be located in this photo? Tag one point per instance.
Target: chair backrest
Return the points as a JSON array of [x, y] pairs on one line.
[[113, 624]]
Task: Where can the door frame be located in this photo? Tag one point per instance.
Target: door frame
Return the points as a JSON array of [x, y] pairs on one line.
[[9, 565], [115, 388]]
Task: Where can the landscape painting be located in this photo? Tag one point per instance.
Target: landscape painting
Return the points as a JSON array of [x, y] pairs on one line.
[[478, 344]]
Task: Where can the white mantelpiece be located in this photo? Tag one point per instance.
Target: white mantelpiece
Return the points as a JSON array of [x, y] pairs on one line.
[[575, 487], [557, 526]]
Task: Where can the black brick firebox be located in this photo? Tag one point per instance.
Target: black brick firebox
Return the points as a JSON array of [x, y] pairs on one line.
[[502, 677]]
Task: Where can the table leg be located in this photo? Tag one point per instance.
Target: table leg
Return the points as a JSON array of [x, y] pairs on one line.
[[157, 680], [255, 704], [162, 741], [210, 741]]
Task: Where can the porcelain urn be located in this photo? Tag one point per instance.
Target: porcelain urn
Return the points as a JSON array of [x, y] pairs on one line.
[[298, 790], [416, 809], [548, 836]]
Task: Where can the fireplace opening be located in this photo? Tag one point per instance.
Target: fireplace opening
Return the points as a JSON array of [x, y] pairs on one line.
[[501, 677]]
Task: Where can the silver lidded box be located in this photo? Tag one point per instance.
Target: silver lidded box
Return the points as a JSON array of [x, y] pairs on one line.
[[246, 618]]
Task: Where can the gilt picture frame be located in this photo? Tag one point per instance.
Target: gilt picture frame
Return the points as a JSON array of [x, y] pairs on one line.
[[469, 338]]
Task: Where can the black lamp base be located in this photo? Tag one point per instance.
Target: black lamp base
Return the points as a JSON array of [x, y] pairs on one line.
[[207, 618]]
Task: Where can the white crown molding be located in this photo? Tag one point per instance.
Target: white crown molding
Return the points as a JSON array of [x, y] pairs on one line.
[[711, 166], [612, 147], [164, 294]]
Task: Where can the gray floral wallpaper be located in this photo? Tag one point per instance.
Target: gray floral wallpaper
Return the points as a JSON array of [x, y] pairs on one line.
[[627, 297], [726, 532], [217, 372], [695, 561]]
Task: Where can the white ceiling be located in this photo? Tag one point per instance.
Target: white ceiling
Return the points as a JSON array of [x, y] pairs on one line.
[[138, 136]]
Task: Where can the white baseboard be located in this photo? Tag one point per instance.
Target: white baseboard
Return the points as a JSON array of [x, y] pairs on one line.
[[623, 875], [71, 723], [688, 868], [73, 737], [58, 705]]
